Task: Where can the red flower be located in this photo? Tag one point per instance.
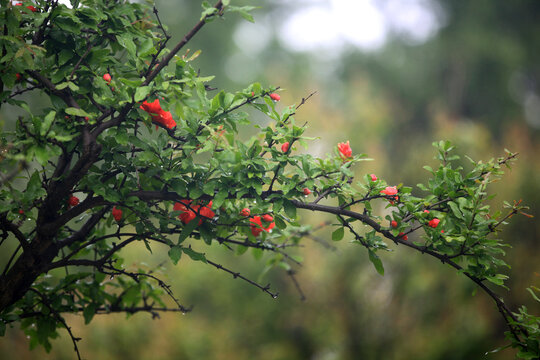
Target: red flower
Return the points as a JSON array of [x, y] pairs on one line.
[[275, 97], [18, 76], [153, 108], [268, 217], [245, 212], [389, 190], [107, 77], [30, 7], [73, 201], [191, 212], [165, 119], [434, 223], [117, 213], [257, 227], [21, 211], [307, 191], [426, 211], [159, 115], [373, 177], [285, 147], [393, 223], [345, 150], [403, 236]]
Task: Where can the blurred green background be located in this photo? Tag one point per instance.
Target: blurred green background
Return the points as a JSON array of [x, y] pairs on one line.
[[392, 77]]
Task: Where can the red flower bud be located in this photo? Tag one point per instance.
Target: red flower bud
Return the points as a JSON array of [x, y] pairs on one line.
[[21, 211], [73, 201], [426, 211], [18, 76], [245, 212], [307, 191], [373, 177], [268, 217], [107, 77], [393, 223], [403, 236], [434, 223], [285, 147], [117, 214], [345, 150], [275, 97], [86, 118]]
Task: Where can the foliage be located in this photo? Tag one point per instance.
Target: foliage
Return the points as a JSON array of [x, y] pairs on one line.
[[88, 174]]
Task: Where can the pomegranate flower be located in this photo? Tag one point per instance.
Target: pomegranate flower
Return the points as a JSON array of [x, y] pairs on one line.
[[190, 212], [159, 115], [275, 97], [285, 147], [434, 223], [393, 223], [306, 191], [373, 177], [403, 236], [389, 190], [117, 213], [345, 150], [245, 212], [257, 226]]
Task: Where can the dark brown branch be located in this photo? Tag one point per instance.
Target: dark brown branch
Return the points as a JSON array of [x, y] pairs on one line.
[[167, 58], [58, 317], [235, 275], [9, 226]]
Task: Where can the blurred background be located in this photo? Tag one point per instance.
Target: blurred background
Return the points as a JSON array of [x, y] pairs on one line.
[[391, 76]]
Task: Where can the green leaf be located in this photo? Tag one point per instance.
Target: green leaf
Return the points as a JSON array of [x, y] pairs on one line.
[[374, 258], [142, 92], [178, 187], [290, 209], [194, 255], [88, 313], [338, 234], [187, 230], [175, 253], [127, 42], [77, 112], [47, 121], [206, 234]]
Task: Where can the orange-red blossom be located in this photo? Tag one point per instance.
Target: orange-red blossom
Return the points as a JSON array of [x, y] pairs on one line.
[[257, 226], [190, 212], [345, 150], [159, 115]]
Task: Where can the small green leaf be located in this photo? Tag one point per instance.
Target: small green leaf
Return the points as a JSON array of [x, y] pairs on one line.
[[76, 112], [175, 253], [338, 234], [47, 121], [188, 229], [88, 313], [142, 92], [374, 258], [290, 209], [194, 255]]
